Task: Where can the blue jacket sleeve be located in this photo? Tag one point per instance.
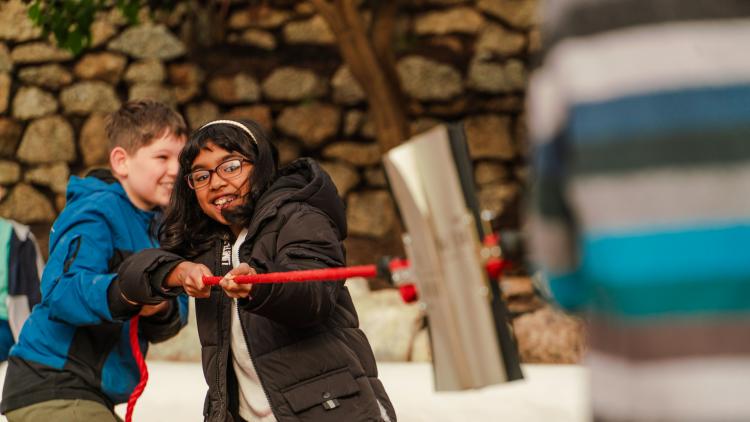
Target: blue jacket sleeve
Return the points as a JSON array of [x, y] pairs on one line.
[[75, 282]]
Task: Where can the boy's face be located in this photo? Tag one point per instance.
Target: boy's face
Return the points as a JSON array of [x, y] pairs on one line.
[[150, 172]]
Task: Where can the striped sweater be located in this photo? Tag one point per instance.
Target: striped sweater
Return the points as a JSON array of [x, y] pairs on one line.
[[640, 118]]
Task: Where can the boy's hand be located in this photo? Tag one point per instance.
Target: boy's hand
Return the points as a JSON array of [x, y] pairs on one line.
[[149, 310], [236, 290], [190, 276]]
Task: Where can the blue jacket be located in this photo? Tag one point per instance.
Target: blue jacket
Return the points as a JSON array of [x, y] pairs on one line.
[[72, 347]]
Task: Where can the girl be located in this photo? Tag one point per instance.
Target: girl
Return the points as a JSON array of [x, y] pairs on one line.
[[271, 352]]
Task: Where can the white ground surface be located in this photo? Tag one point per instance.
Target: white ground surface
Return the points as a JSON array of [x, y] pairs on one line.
[[550, 393]]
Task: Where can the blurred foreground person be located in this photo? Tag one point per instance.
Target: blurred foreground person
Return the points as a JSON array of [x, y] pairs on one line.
[[640, 115]]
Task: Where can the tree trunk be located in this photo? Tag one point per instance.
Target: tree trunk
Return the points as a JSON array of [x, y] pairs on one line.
[[371, 63]]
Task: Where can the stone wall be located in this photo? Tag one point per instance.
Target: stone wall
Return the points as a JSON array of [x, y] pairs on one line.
[[457, 60]]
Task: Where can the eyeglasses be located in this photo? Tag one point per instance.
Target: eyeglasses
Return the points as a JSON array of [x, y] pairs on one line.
[[230, 169]]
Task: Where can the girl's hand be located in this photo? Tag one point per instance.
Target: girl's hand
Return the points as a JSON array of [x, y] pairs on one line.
[[237, 290], [190, 276]]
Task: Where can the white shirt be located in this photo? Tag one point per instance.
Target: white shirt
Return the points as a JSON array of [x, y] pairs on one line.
[[254, 404]]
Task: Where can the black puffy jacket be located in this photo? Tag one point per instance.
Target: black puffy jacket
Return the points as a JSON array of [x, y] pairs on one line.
[[303, 337]]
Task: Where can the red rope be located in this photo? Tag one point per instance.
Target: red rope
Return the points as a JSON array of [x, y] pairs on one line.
[[301, 275], [282, 277], [291, 276], [142, 369]]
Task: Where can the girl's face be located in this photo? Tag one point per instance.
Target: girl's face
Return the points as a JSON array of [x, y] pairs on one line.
[[224, 185]]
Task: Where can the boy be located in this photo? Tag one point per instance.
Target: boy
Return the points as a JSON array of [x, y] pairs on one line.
[[73, 360]]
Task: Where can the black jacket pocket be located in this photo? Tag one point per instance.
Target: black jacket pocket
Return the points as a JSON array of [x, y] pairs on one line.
[[323, 390]]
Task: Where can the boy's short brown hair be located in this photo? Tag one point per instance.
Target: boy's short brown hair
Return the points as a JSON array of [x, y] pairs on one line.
[[137, 123]]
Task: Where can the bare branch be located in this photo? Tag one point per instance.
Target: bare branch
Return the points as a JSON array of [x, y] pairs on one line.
[[384, 24], [375, 77], [383, 28], [328, 12]]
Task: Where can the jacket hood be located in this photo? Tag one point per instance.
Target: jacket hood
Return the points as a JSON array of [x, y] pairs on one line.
[[303, 180], [100, 181]]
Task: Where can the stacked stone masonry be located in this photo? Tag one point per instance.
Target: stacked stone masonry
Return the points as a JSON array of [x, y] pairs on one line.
[[277, 63]]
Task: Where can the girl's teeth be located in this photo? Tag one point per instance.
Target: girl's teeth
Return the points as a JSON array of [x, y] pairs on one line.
[[223, 200]]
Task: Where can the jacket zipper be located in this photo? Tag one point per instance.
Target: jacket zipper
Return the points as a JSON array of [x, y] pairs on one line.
[[250, 353], [221, 336], [247, 343]]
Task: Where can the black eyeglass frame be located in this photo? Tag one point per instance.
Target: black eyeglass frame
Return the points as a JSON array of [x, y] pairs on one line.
[[215, 170]]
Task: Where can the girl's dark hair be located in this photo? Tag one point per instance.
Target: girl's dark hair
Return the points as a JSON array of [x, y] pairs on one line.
[[186, 230]]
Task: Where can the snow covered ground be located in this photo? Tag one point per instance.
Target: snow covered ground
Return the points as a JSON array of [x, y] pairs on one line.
[[550, 393]]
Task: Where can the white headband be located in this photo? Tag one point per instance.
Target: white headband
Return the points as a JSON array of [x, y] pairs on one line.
[[233, 123]]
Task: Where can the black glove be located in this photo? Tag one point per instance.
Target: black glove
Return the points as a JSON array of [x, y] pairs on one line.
[[140, 276], [118, 306], [139, 290]]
